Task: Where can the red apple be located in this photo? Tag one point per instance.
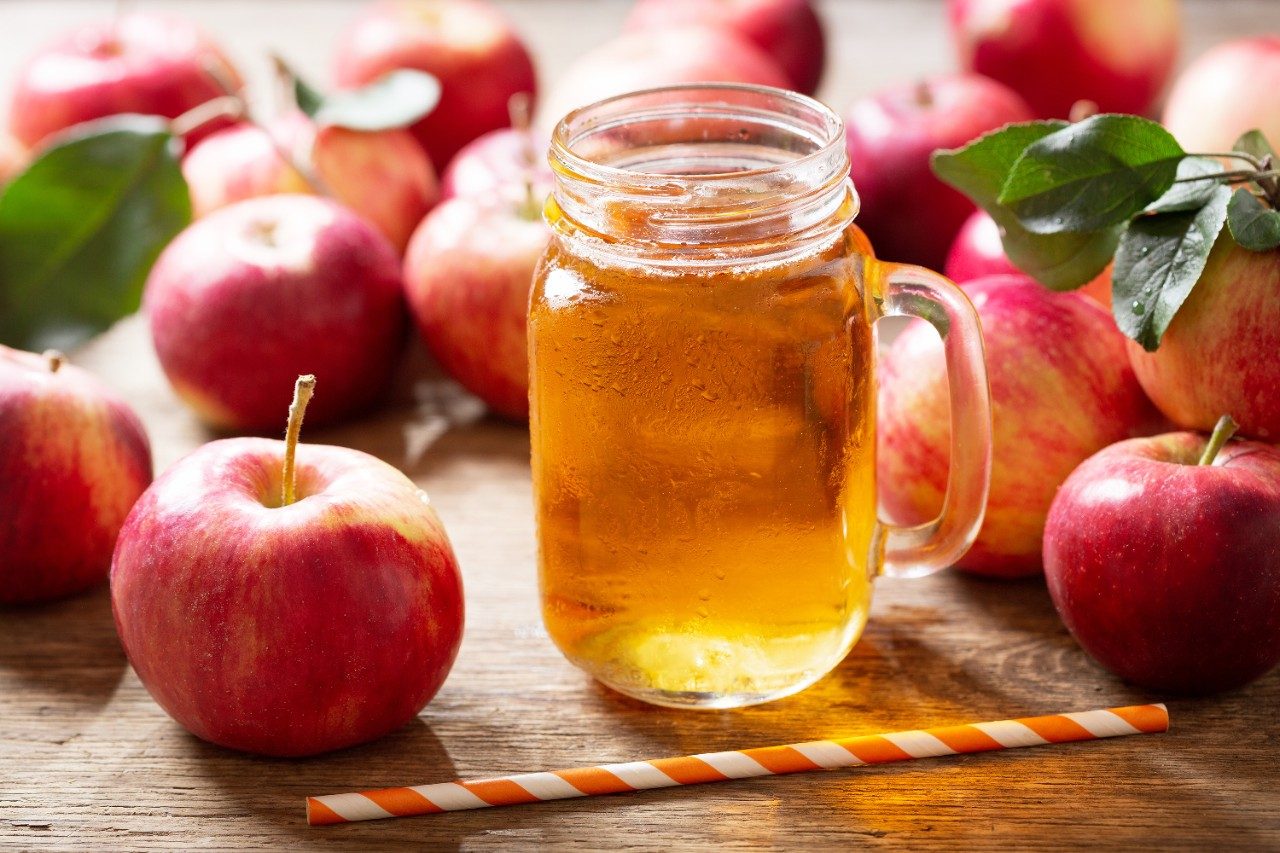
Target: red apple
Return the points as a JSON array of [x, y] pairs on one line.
[[75, 458], [1055, 52], [977, 252], [467, 44], [1061, 390], [384, 176], [137, 63], [789, 31], [908, 213], [287, 624], [244, 299], [467, 274], [1219, 353], [1225, 92], [644, 60], [499, 161], [1168, 571]]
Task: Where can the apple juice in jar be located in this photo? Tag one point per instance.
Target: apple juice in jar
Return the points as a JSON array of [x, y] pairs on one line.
[[703, 403]]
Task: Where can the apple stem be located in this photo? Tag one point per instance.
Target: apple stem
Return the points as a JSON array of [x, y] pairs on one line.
[[302, 391], [224, 106], [518, 108], [55, 359], [1222, 432]]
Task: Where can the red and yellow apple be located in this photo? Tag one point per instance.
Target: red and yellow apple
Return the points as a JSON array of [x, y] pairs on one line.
[[137, 63], [1167, 571], [384, 176], [1061, 389], [907, 212], [468, 45], [789, 31], [1227, 91], [287, 624], [1219, 355], [645, 60], [248, 297], [75, 458], [467, 275], [1116, 53]]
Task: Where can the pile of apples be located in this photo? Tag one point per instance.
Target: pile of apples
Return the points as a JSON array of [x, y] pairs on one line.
[[289, 600], [1164, 567]]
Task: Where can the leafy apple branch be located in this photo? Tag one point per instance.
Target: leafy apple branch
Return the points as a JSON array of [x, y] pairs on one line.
[[1072, 197]]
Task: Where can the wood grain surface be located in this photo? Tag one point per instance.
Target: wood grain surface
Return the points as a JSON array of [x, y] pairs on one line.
[[88, 761], [86, 758]]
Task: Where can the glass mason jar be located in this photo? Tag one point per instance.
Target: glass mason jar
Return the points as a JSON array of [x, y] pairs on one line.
[[702, 356]]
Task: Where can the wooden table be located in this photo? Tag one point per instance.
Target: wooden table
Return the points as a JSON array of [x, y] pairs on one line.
[[87, 759]]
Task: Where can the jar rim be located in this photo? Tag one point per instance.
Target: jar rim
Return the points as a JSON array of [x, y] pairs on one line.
[[575, 124], [701, 173]]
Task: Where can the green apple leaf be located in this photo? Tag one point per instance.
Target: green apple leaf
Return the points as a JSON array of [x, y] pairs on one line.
[[308, 98], [1189, 193], [1059, 261], [980, 168], [1254, 226], [1093, 174], [1253, 142], [81, 227], [396, 99], [1159, 261]]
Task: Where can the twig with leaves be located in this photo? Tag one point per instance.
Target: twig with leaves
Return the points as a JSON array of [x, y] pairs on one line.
[[1070, 197]]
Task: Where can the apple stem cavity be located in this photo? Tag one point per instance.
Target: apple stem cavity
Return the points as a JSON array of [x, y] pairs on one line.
[[302, 391], [54, 359], [519, 108], [224, 106], [1222, 432]]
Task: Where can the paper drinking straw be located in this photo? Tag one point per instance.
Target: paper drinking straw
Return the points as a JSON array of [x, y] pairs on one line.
[[738, 764]]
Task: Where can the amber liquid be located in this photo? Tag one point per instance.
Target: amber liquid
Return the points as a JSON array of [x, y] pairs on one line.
[[703, 454]]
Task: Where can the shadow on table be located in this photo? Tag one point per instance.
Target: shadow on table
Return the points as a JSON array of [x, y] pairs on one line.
[[275, 790], [64, 650]]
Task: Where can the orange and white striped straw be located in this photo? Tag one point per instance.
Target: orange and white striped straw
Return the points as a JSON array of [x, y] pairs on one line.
[[738, 764]]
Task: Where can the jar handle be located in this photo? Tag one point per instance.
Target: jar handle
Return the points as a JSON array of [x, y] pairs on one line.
[[926, 548]]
